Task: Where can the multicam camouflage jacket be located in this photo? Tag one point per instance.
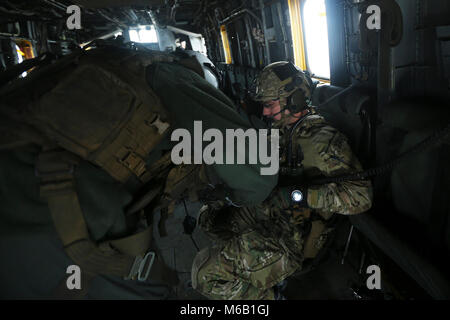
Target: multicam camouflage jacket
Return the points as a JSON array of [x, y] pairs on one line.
[[321, 151], [326, 153], [260, 246]]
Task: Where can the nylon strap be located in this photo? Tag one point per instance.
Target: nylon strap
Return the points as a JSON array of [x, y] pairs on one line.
[[58, 187], [313, 242]]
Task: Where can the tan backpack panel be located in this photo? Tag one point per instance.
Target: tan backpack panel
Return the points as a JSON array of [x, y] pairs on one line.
[[104, 111]]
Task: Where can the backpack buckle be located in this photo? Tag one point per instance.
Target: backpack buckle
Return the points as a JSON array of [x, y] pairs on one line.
[[141, 267], [134, 162]]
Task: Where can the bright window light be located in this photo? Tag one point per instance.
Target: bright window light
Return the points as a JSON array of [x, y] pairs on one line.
[[316, 37], [143, 34], [20, 59], [134, 36]]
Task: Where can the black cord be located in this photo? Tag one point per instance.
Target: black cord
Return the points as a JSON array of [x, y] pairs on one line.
[[435, 138], [195, 244], [291, 136], [188, 227]]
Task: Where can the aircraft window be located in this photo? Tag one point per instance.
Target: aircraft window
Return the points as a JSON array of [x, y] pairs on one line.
[[144, 34], [24, 51], [316, 38], [20, 58]]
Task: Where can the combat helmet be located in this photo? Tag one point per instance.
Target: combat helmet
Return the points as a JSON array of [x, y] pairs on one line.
[[284, 80]]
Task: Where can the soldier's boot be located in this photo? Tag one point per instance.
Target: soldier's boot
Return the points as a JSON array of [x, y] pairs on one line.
[[213, 278]]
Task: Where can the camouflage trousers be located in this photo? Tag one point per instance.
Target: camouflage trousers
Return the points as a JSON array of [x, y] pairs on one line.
[[248, 264]]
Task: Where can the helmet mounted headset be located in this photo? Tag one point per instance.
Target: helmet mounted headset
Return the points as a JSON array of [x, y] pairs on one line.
[[290, 81]]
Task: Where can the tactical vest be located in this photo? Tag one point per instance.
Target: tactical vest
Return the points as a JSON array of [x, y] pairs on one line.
[[292, 172], [96, 106]]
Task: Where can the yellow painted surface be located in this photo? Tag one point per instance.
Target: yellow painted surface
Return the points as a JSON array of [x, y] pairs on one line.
[[25, 48], [226, 45], [297, 33]]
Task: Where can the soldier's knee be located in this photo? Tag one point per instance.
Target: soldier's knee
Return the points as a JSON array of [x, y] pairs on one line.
[[206, 275], [210, 278]]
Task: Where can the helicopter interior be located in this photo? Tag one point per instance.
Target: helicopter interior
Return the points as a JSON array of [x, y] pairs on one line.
[[387, 90]]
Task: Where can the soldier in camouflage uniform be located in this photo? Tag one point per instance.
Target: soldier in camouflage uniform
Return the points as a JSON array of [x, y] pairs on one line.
[[258, 247], [85, 152]]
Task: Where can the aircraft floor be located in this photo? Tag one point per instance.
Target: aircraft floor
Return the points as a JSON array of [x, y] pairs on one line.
[[330, 280]]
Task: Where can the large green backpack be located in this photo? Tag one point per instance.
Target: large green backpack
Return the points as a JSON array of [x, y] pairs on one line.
[[97, 106]]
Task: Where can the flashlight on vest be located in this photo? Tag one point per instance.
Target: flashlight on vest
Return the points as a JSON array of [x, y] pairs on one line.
[[298, 198]]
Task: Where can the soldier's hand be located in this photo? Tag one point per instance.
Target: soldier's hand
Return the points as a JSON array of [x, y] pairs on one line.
[[184, 181]]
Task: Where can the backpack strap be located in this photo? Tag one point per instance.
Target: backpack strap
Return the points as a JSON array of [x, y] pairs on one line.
[[127, 257]]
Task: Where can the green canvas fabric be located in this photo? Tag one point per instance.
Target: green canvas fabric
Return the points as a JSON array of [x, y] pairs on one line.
[[33, 259], [189, 98]]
